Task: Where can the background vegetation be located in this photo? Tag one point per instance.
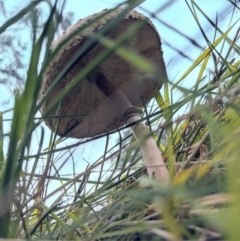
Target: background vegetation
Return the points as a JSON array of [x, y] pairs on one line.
[[112, 199]]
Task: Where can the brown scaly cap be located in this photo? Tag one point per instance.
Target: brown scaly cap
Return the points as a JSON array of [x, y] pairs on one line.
[[90, 98]]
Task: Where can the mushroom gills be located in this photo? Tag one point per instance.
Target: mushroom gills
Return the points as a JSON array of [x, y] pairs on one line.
[[102, 82]]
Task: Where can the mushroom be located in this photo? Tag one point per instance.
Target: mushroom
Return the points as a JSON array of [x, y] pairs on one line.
[[114, 93]]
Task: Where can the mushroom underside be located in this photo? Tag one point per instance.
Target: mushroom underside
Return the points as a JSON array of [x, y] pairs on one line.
[[87, 111]]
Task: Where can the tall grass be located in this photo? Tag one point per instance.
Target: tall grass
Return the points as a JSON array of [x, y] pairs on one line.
[[112, 198]]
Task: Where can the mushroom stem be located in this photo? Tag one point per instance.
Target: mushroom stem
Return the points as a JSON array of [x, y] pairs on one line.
[[153, 158], [151, 154]]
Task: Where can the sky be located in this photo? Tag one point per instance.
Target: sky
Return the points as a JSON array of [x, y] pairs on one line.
[[175, 14]]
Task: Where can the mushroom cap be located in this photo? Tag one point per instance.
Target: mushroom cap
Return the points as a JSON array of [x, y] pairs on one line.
[[88, 110]]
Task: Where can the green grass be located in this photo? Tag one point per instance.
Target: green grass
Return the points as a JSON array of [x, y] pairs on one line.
[[112, 199]]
